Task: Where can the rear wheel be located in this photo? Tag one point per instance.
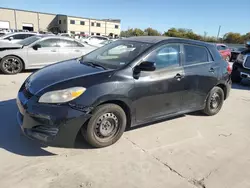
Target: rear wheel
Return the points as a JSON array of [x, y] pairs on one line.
[[11, 65], [106, 125], [214, 101]]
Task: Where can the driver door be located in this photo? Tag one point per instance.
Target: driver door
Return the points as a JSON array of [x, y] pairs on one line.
[[47, 53], [159, 92]]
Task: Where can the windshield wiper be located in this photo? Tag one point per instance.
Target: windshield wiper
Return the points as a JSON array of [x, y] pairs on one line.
[[92, 64]]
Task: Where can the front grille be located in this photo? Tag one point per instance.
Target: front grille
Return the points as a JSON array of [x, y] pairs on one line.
[[247, 62], [26, 93]]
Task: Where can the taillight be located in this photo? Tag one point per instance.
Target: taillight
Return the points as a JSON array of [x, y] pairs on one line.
[[229, 68]]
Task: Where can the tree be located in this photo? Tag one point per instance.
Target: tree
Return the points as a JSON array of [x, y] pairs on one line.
[[151, 32], [234, 38]]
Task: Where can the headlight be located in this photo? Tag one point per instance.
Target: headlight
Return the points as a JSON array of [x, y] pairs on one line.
[[240, 58], [61, 96]]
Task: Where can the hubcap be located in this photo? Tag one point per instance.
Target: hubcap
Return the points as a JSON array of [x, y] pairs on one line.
[[106, 126], [215, 101], [11, 65]]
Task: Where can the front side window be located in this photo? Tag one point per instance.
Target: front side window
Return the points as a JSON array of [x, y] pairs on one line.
[[195, 54], [29, 40], [116, 54], [166, 56], [18, 36], [49, 43]]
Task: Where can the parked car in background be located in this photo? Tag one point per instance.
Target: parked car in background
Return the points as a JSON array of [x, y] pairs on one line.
[[241, 67], [235, 52], [94, 40], [38, 51], [64, 34], [16, 37], [102, 94], [224, 51], [105, 42]]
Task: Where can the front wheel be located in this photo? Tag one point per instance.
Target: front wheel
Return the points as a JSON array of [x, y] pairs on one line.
[[214, 101], [11, 65], [106, 125]]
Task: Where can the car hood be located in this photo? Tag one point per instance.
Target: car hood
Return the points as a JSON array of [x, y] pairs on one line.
[[59, 72], [4, 45]]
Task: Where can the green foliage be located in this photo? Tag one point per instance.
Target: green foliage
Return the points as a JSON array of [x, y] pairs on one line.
[[235, 38]]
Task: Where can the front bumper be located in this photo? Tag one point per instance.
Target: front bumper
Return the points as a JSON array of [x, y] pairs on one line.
[[243, 72], [54, 125]]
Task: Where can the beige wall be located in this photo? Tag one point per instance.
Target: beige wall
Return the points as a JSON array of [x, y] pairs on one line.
[[110, 28], [8, 15], [46, 20], [77, 27], [95, 29], [23, 17]]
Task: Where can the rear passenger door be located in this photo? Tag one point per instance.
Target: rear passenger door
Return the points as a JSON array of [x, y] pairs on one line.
[[70, 49], [200, 75]]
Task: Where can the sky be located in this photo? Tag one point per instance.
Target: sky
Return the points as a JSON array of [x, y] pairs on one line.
[[199, 15]]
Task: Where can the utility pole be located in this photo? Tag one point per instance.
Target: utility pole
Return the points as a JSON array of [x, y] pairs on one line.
[[218, 33], [205, 35]]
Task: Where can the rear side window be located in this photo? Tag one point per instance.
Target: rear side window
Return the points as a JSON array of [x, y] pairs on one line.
[[222, 47], [19, 36], [195, 54], [69, 43], [49, 43]]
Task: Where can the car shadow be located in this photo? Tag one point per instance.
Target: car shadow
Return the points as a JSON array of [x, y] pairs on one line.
[[244, 85], [11, 138]]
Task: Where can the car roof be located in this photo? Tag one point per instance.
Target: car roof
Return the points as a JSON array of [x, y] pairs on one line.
[[157, 39]]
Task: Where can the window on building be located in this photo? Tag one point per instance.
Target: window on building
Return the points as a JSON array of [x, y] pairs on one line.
[[64, 21], [117, 26], [195, 54], [166, 56], [60, 21], [92, 24], [98, 25], [72, 22], [82, 22], [98, 34], [92, 33]]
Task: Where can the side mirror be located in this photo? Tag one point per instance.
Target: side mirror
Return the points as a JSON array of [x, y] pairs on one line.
[[146, 66], [36, 46], [11, 38]]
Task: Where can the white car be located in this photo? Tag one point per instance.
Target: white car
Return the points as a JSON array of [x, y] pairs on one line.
[[94, 40], [16, 37], [39, 51]]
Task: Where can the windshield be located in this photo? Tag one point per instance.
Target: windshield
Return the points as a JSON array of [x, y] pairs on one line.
[[29, 40], [116, 54]]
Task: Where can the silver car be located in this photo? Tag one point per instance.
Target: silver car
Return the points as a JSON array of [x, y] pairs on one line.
[[38, 51], [16, 37]]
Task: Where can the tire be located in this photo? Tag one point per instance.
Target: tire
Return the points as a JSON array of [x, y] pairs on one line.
[[235, 76], [106, 125], [214, 101], [11, 65]]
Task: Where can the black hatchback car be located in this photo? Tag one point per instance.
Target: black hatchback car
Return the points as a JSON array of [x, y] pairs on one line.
[[125, 83]]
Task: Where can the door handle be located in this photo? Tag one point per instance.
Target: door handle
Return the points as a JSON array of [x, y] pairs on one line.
[[211, 70], [178, 77], [53, 50]]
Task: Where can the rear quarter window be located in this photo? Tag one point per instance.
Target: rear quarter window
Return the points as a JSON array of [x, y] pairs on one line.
[[195, 54]]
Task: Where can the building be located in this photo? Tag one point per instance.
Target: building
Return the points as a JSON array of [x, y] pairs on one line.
[[57, 23]]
